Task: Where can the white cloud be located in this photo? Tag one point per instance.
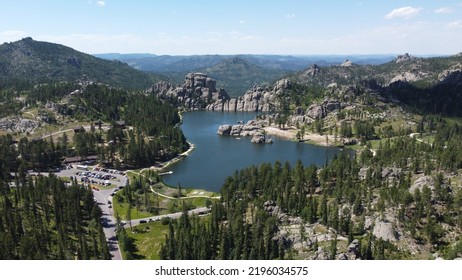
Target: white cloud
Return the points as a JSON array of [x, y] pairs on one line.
[[455, 24], [242, 21], [404, 12], [290, 16], [443, 10], [101, 3]]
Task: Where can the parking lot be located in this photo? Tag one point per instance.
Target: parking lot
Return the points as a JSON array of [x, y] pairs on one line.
[[95, 176]]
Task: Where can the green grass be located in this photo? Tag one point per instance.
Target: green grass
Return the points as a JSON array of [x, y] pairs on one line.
[[122, 208], [148, 239]]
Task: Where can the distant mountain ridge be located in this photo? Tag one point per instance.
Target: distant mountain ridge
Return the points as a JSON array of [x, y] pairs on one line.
[[187, 63], [38, 62], [238, 75]]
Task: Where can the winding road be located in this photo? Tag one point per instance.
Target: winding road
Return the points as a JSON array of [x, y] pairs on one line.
[[104, 199]]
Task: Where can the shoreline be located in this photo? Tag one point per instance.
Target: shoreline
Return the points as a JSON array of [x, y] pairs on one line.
[[310, 138], [176, 159]]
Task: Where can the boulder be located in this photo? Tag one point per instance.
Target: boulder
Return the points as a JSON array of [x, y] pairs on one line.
[[391, 173], [421, 182], [258, 138], [385, 230], [331, 105], [321, 254], [224, 129], [315, 112], [353, 248], [236, 130]]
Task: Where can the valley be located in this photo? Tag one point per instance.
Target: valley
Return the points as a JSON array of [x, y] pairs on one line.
[[382, 180]]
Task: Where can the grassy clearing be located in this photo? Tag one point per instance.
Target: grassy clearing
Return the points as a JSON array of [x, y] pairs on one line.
[[148, 239], [121, 209]]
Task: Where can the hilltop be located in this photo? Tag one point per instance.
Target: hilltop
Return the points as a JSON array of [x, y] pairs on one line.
[[38, 62], [235, 73]]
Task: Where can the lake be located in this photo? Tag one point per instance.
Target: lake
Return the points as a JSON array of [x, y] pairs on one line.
[[216, 157]]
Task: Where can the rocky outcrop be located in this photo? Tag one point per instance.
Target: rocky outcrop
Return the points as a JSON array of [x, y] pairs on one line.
[[199, 92], [224, 129], [260, 138], [408, 77], [252, 128], [446, 73], [17, 124], [385, 230], [421, 182], [404, 57], [352, 252], [391, 173], [314, 70], [257, 99], [316, 111], [346, 63]]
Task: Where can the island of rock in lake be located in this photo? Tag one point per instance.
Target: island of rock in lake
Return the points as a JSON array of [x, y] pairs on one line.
[[252, 128]]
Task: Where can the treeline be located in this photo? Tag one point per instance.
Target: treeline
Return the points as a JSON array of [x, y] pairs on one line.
[[341, 196], [153, 133], [42, 218]]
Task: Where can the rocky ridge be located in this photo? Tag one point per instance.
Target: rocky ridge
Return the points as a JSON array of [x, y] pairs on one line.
[[305, 239], [199, 92], [18, 125]]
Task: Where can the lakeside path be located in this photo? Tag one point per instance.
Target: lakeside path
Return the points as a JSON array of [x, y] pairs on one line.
[[173, 160], [167, 164]]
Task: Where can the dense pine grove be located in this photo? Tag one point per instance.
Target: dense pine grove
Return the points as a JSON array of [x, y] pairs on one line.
[[42, 218], [335, 196]]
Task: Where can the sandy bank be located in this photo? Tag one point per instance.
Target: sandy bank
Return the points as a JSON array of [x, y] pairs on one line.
[[291, 134]]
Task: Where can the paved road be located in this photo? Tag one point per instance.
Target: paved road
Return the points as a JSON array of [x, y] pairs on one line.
[[177, 215], [102, 198], [109, 222]]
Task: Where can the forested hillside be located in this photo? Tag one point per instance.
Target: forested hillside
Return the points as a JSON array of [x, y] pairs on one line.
[[44, 218], [39, 62], [370, 207]]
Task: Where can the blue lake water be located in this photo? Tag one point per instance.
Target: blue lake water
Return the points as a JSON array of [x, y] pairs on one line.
[[216, 157]]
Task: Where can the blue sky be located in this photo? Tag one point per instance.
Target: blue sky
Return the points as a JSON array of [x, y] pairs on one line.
[[238, 26]]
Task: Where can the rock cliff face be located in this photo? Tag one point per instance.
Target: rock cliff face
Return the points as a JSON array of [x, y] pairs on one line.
[[199, 92], [316, 111], [18, 124], [404, 57]]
